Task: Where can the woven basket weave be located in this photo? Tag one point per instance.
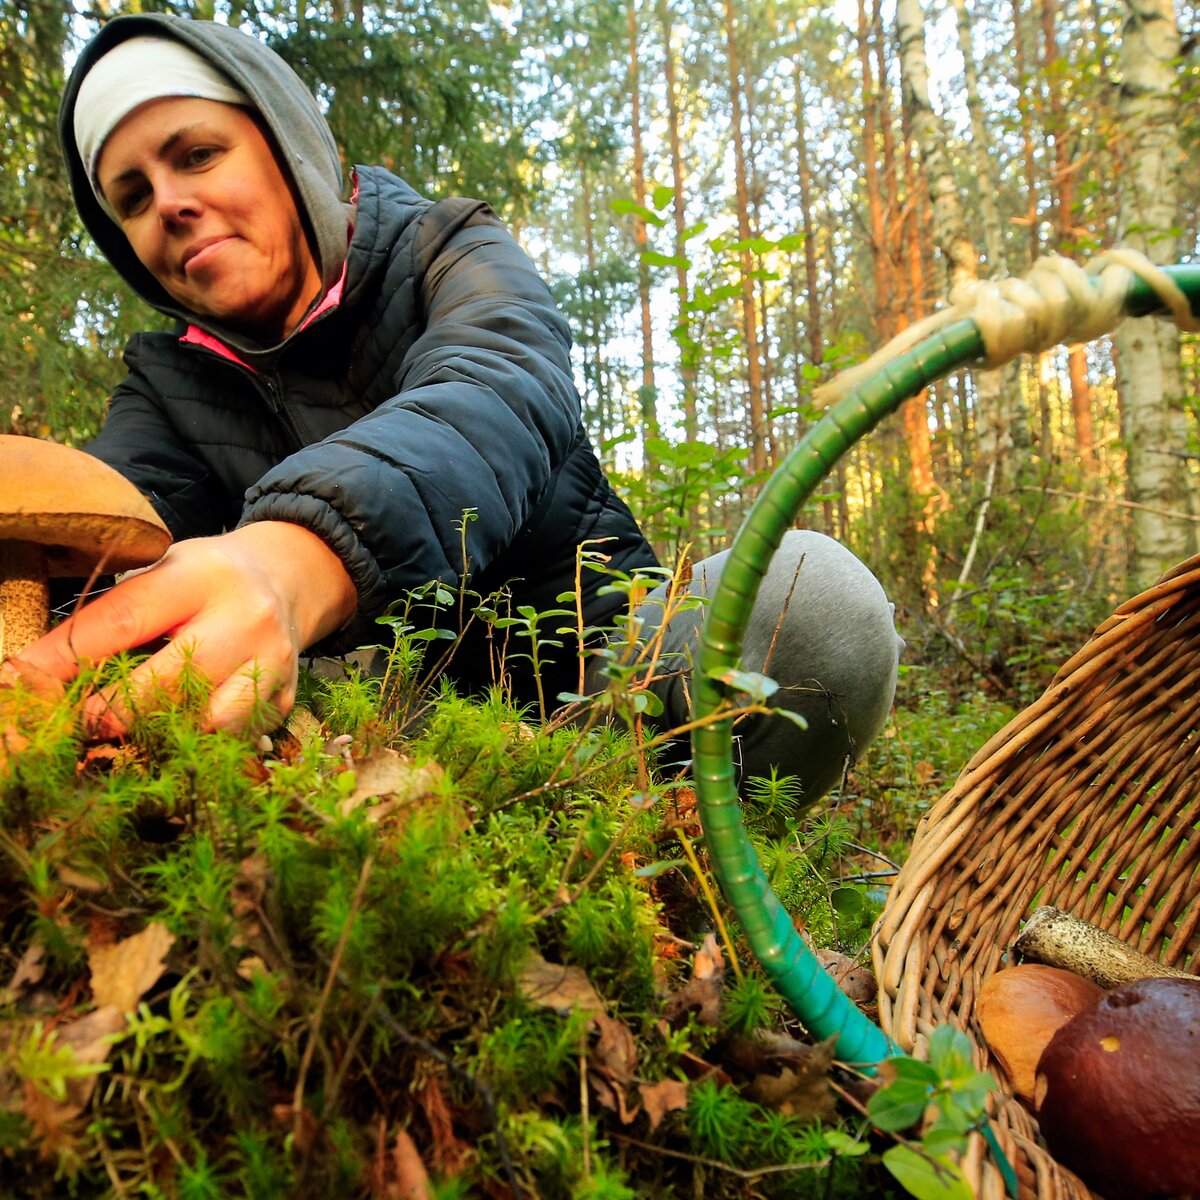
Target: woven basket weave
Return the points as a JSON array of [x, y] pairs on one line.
[[1088, 800]]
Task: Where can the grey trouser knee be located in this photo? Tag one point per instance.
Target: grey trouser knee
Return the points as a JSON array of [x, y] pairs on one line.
[[824, 631]]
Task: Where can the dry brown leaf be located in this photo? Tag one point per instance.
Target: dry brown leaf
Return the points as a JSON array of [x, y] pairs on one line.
[[123, 972], [615, 1051], [251, 967], [702, 993], [709, 962], [78, 880], [856, 981], [801, 1088], [554, 986], [90, 1038], [448, 1153], [412, 1180], [610, 1066], [29, 970], [387, 773], [658, 1099]]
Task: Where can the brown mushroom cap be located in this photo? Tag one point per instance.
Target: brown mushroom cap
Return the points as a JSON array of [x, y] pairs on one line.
[[1020, 1009], [1118, 1091], [82, 512]]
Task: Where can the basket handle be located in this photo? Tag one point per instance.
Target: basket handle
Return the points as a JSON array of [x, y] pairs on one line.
[[808, 989]]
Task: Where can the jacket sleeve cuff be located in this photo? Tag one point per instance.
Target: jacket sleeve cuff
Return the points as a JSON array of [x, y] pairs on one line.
[[333, 529]]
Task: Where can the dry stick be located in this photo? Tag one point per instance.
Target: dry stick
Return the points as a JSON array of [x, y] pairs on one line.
[[475, 1083], [702, 880], [1059, 939], [747, 1174], [585, 1120], [976, 535], [331, 975], [1150, 508]]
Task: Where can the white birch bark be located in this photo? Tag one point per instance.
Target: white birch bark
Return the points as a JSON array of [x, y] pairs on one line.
[[1147, 350], [994, 417]]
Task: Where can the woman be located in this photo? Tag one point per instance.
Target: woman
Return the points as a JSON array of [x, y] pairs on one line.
[[359, 398]]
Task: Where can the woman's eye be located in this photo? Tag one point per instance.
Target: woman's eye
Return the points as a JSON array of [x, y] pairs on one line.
[[199, 155], [131, 201]]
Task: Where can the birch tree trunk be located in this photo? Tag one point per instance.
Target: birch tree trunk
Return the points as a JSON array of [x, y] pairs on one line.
[[1148, 366], [993, 418]]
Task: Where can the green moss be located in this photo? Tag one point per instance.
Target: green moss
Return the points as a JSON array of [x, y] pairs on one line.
[[344, 965]]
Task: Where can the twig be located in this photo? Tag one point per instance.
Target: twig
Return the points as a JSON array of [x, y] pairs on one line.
[[585, 1120], [318, 1015], [739, 1172], [976, 534], [874, 854], [1150, 508], [715, 908]]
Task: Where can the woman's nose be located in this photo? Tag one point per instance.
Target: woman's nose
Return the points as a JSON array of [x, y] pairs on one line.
[[176, 200]]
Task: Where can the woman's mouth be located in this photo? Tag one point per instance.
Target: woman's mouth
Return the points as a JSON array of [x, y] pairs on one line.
[[198, 255]]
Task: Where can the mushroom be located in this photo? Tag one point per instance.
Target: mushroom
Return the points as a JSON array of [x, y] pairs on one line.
[[1020, 1009], [1118, 1091], [63, 513]]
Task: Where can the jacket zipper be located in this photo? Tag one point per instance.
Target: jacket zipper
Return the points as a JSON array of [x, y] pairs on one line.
[[268, 387]]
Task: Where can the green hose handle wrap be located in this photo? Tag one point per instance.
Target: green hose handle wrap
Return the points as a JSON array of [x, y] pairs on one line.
[[794, 971]]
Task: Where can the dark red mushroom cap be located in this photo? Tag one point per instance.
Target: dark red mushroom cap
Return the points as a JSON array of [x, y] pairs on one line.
[[1118, 1091]]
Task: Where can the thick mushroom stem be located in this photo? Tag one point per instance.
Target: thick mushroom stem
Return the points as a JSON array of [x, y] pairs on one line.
[[24, 596], [1060, 939]]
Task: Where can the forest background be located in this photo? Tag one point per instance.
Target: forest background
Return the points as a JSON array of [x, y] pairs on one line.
[[733, 201]]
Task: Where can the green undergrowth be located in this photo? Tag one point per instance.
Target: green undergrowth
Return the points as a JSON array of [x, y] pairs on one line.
[[397, 950]]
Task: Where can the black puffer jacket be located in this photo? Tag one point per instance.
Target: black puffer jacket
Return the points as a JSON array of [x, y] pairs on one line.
[[438, 385]]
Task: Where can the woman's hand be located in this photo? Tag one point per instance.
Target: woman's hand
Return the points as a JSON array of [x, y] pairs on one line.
[[238, 609]]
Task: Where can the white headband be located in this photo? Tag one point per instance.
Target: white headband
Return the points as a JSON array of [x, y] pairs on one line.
[[130, 74]]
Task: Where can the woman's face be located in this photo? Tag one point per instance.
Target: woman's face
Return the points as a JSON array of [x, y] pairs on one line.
[[208, 212]]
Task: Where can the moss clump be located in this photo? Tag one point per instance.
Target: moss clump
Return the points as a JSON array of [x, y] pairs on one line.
[[467, 938]]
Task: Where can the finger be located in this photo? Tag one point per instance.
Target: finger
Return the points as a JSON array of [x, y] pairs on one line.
[[109, 711], [254, 700], [134, 613], [15, 672]]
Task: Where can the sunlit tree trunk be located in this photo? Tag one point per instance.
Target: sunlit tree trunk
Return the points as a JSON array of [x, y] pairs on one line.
[[881, 260], [647, 393], [1147, 349], [812, 298], [687, 368], [1064, 186], [900, 304], [593, 366], [1021, 86], [754, 389]]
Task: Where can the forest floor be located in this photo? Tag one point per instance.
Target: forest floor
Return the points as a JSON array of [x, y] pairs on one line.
[[464, 954]]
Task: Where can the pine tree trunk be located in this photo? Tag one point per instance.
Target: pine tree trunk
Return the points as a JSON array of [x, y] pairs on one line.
[[1064, 184], [754, 391], [881, 261], [1148, 363], [687, 367], [647, 393]]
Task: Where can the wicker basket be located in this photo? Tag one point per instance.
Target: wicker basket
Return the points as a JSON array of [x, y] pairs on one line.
[[1087, 800]]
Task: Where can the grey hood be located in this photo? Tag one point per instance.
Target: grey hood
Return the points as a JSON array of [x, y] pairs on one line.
[[302, 140]]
